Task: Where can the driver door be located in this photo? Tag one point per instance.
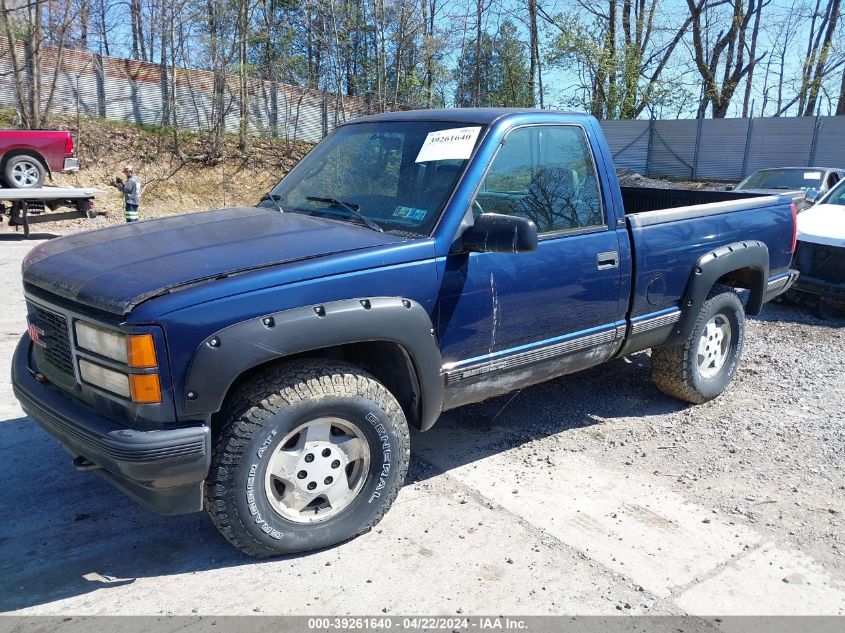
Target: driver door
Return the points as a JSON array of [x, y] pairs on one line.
[[503, 312]]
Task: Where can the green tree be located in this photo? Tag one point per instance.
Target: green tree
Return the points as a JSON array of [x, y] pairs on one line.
[[511, 85], [493, 72], [474, 74]]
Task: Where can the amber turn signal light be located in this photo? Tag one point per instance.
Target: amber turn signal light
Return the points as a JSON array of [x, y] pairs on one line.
[[145, 388], [141, 351]]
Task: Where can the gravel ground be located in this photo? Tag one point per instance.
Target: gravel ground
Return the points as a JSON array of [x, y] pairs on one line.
[[770, 452], [629, 178]]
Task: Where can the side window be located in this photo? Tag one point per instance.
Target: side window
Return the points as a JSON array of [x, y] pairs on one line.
[[546, 174], [832, 179]]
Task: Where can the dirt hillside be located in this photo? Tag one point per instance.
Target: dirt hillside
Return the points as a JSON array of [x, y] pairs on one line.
[[171, 184]]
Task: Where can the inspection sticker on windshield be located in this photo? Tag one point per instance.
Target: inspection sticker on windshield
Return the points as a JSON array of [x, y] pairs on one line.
[[453, 144], [812, 175], [410, 213]]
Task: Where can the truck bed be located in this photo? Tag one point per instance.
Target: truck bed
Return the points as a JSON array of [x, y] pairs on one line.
[[642, 199], [668, 241]]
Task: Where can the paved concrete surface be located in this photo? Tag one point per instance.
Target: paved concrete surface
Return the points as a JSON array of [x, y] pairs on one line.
[[493, 519]]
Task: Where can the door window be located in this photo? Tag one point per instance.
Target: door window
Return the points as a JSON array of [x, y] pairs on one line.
[[546, 174]]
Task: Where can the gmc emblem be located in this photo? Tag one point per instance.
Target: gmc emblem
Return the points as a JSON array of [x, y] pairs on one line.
[[36, 334]]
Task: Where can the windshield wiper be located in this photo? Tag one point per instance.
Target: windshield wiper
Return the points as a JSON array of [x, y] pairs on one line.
[[274, 198], [352, 208]]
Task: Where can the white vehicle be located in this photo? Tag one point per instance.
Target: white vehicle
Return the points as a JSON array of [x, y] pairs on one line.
[[820, 253]]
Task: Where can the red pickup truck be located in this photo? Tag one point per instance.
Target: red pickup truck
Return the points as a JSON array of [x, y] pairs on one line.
[[26, 156]]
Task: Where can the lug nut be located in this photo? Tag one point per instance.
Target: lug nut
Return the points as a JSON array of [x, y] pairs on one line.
[[312, 485], [301, 474], [336, 463], [328, 480], [326, 452], [309, 457]]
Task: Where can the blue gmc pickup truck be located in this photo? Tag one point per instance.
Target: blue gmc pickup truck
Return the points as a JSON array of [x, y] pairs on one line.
[[265, 363]]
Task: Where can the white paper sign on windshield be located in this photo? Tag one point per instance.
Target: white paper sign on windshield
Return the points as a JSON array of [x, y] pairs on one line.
[[812, 175], [453, 144]]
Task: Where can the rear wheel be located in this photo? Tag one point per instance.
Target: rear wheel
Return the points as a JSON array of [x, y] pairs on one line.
[[702, 367], [24, 172], [311, 453]]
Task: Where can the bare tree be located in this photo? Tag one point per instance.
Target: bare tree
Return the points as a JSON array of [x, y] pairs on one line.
[[621, 75], [728, 51], [752, 55], [818, 52], [535, 79], [243, 74], [34, 93], [840, 106]]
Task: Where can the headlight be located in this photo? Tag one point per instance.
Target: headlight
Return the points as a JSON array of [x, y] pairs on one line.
[[103, 342], [104, 378], [135, 350]]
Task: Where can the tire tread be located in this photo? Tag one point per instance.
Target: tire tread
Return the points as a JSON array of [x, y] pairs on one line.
[[255, 402], [670, 364]]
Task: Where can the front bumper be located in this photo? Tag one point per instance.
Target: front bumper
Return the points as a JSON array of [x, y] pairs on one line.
[[822, 270], [163, 470], [71, 164]]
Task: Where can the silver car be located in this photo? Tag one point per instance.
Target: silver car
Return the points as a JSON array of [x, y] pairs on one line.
[[804, 184]]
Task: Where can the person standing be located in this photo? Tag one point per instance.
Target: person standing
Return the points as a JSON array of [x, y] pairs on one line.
[[131, 189]]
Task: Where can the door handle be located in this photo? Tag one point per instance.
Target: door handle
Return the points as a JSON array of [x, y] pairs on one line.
[[607, 260]]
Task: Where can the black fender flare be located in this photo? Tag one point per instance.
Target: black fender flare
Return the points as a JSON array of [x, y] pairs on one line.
[[751, 255], [225, 355]]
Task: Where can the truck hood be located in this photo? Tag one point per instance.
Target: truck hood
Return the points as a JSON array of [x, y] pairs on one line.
[[823, 224], [117, 268]]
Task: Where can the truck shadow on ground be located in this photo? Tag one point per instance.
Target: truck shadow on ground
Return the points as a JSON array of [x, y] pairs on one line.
[[599, 395], [72, 533], [19, 237], [807, 312]]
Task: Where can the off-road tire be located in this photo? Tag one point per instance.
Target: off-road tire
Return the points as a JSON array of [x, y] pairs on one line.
[[28, 164], [674, 368], [256, 418]]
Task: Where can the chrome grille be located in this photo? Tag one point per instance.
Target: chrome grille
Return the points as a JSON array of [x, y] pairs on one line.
[[57, 352]]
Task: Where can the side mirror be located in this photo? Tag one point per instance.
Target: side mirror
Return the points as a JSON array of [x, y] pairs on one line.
[[497, 233], [810, 196]]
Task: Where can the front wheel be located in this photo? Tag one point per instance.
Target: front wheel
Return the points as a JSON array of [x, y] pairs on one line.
[[701, 367], [312, 453]]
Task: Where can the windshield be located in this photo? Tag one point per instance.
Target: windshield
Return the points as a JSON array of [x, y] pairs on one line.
[[783, 179], [835, 195], [396, 174]]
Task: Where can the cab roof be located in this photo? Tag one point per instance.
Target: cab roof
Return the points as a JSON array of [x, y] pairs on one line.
[[477, 116]]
